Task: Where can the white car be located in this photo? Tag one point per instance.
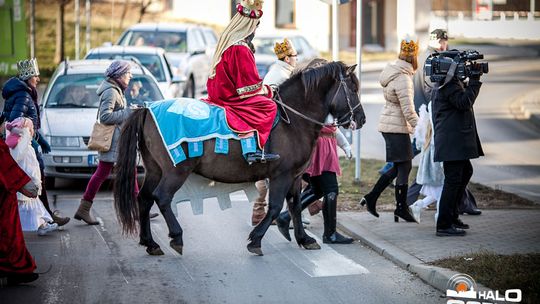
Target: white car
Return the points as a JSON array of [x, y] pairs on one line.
[[189, 48], [69, 110], [152, 58]]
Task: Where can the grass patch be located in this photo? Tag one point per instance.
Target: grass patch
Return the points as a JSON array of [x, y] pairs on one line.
[[500, 272], [350, 57], [351, 192]]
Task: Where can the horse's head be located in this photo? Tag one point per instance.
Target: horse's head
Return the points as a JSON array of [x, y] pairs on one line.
[[339, 85], [344, 98]]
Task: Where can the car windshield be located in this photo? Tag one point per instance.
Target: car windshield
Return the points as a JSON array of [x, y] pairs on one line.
[[151, 62], [79, 91], [170, 41]]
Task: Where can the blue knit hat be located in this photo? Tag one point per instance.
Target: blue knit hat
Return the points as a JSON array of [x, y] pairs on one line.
[[118, 68]]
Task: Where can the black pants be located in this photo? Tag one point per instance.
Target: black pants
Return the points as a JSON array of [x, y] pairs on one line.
[[457, 175]]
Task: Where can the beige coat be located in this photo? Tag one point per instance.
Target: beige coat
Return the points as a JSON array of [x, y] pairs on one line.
[[398, 114]]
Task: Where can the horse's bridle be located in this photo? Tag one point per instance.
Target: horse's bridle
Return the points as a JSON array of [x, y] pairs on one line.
[[336, 123]]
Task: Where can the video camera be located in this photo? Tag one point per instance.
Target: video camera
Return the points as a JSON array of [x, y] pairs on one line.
[[438, 64]]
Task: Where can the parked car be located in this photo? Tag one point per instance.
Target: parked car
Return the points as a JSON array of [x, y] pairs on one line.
[[154, 59], [264, 50], [69, 110], [189, 49]]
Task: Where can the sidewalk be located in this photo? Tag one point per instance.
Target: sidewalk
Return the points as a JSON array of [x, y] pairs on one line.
[[411, 246]]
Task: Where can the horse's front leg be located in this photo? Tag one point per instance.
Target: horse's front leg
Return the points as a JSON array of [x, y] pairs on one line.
[[278, 189], [295, 209]]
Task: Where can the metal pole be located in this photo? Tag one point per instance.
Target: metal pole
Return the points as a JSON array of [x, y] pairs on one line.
[[88, 26], [112, 18], [357, 163], [32, 28], [532, 8], [335, 38], [77, 27]]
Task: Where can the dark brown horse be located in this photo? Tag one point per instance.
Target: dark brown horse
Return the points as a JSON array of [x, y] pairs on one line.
[[308, 97]]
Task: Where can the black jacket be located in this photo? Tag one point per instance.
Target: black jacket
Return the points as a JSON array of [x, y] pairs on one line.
[[456, 137], [20, 101]]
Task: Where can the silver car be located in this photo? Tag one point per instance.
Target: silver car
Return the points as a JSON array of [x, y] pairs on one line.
[[69, 111], [189, 48], [152, 58]]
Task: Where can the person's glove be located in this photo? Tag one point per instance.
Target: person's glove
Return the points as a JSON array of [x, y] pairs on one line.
[[45, 147], [30, 189], [348, 152]]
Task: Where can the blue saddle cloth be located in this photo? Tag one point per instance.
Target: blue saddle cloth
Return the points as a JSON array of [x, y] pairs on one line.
[[193, 121]]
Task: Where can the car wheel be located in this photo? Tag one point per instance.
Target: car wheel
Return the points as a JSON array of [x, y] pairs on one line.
[[49, 182], [189, 91]]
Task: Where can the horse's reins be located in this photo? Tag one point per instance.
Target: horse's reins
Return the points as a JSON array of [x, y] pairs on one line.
[[342, 83]]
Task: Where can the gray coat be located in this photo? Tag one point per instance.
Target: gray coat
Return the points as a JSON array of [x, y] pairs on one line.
[[113, 110]]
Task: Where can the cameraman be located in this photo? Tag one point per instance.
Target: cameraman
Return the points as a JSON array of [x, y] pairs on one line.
[[456, 142]]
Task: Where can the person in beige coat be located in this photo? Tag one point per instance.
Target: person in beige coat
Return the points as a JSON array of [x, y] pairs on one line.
[[397, 121]]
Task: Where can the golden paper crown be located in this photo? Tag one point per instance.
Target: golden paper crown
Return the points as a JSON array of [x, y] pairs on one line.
[[250, 8], [408, 48], [284, 49], [27, 68]]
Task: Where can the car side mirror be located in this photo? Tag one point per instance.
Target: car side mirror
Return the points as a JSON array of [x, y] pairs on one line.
[[178, 79]]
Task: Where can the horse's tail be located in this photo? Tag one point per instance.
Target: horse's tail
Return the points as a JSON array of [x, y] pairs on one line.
[[125, 198]]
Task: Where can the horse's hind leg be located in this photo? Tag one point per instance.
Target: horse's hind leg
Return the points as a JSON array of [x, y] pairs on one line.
[[164, 193], [146, 200]]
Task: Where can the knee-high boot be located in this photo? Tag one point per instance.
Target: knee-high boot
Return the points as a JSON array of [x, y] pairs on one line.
[[402, 210], [330, 235], [370, 199]]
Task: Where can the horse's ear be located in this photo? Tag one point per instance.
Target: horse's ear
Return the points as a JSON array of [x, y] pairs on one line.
[[351, 69]]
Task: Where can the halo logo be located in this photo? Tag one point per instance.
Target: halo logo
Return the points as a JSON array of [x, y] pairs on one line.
[[462, 289]]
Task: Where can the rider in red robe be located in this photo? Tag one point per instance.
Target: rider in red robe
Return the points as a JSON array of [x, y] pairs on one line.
[[234, 82], [16, 263]]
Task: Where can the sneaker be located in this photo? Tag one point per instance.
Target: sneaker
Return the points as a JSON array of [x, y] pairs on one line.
[[416, 210], [46, 228]]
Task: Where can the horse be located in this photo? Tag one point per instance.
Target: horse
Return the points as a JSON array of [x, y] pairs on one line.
[[305, 99]]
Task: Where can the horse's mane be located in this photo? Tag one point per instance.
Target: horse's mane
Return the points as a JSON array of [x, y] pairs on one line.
[[315, 73]]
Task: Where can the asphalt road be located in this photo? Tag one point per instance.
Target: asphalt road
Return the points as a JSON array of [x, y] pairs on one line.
[[512, 159], [96, 264]]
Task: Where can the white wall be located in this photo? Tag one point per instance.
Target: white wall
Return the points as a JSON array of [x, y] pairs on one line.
[[312, 18]]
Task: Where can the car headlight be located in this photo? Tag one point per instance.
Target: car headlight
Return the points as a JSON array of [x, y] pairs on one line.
[[64, 141]]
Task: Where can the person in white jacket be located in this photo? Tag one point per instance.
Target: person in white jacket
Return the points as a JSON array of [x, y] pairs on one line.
[[280, 71]]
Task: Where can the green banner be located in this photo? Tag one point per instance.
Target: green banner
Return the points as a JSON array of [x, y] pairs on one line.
[[13, 38]]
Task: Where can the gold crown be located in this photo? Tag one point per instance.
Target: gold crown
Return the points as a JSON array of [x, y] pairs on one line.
[[408, 48], [27, 68], [250, 8], [284, 49]]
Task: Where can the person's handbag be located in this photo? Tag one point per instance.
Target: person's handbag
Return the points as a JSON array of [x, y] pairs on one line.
[[101, 137]]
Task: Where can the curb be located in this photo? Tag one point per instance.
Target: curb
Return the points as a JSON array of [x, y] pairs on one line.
[[527, 107], [435, 276]]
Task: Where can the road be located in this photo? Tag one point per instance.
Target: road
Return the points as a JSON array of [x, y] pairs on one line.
[[512, 161], [96, 264]]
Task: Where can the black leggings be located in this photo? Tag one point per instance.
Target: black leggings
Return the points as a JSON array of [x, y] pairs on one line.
[[400, 171]]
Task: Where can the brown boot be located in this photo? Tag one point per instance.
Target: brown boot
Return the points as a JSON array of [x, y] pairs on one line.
[[258, 212], [315, 207], [83, 213]]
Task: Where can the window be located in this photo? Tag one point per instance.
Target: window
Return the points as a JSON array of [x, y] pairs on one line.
[[285, 13]]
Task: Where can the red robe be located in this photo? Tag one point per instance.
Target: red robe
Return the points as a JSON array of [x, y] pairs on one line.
[[238, 88], [14, 257]]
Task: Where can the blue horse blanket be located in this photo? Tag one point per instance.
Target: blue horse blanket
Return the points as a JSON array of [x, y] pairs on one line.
[[193, 121]]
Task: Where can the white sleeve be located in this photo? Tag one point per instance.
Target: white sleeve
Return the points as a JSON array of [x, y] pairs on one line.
[[342, 141]]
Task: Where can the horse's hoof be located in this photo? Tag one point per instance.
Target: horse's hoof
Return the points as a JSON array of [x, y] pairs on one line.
[[255, 250], [284, 231], [311, 246], [177, 248], [154, 251]]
